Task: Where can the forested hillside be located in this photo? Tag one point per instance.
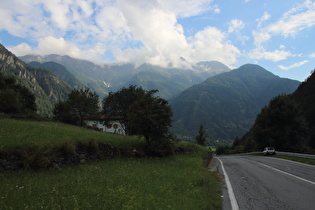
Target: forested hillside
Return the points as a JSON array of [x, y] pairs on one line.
[[46, 87], [60, 71], [305, 96], [287, 123], [227, 104]]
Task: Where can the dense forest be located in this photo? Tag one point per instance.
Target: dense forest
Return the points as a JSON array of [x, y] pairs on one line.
[[227, 104], [287, 123]]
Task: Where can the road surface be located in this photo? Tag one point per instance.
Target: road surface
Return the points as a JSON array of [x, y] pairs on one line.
[[257, 182]]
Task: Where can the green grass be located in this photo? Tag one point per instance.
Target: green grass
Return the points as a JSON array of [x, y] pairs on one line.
[[177, 182], [298, 159], [20, 133]]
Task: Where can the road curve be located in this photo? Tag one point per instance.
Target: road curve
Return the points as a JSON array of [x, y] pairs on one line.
[[268, 183]]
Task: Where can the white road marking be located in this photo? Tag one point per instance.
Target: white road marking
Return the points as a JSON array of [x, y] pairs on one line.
[[230, 189], [297, 177]]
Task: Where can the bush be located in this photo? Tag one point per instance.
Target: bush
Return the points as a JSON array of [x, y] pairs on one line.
[[159, 148]]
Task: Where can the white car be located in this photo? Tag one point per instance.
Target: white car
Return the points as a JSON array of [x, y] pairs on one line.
[[269, 151]]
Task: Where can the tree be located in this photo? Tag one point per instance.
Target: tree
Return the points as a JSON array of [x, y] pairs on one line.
[[281, 125], [64, 113], [150, 116], [143, 114], [15, 98], [201, 137], [80, 104], [117, 105]]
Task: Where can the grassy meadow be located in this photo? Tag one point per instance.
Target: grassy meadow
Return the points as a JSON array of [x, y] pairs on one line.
[[21, 133], [176, 182]]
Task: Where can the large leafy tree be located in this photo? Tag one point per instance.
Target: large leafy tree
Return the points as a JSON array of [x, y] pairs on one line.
[[143, 114], [117, 105], [150, 116], [80, 104]]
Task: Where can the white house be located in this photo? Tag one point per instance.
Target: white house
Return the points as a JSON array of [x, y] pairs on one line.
[[112, 126]]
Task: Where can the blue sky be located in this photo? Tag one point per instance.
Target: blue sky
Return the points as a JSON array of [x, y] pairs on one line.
[[279, 35]]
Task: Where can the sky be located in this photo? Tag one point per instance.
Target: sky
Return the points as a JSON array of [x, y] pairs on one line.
[[278, 35]]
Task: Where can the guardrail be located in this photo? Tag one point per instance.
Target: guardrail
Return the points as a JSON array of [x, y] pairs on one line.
[[296, 154], [284, 153]]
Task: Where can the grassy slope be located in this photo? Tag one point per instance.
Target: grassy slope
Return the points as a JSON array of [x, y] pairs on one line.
[[176, 182], [17, 133]]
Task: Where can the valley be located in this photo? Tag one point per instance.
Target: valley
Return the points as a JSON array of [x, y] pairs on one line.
[[225, 101]]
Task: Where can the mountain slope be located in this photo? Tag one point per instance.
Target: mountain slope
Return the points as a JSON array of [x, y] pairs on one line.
[[170, 82], [228, 103], [90, 74], [112, 77], [304, 95], [60, 71], [47, 88]]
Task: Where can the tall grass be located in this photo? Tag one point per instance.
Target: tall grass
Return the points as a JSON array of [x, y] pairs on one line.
[[19, 133], [177, 182]]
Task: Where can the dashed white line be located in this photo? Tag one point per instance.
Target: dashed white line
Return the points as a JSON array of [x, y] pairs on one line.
[[230, 189]]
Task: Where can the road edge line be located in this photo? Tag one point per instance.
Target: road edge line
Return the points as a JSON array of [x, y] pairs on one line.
[[229, 188], [288, 174]]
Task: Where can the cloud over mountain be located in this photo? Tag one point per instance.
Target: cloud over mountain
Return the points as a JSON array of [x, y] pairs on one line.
[[161, 32]]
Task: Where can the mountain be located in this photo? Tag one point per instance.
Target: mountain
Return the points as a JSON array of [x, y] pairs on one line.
[[60, 71], [169, 81], [304, 95], [227, 104], [93, 76], [211, 68], [47, 88], [111, 77]]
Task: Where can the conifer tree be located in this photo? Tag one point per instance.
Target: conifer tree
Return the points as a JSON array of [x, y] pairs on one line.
[[201, 137]]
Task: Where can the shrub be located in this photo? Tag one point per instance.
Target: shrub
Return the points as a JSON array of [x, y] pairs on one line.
[[161, 148], [69, 149]]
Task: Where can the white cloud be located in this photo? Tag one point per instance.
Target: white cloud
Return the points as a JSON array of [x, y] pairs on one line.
[[164, 41], [297, 19], [235, 24], [312, 55], [185, 8], [141, 31], [216, 9], [275, 56], [293, 65], [162, 37], [211, 44], [260, 37], [112, 23], [266, 16], [22, 49], [52, 45]]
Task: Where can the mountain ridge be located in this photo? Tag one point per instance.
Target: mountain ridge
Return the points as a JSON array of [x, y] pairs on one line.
[[112, 77], [47, 88], [227, 103], [60, 71]]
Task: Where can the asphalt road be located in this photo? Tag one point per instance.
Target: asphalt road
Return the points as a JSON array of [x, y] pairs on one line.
[[266, 183]]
